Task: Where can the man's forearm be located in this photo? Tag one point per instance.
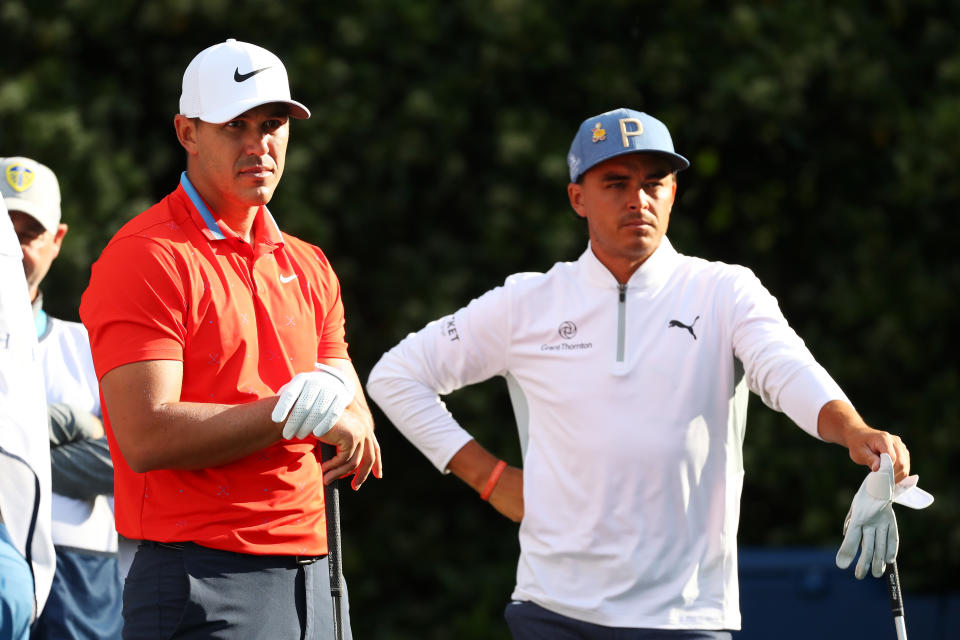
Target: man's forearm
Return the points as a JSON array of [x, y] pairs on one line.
[[193, 435], [840, 423], [474, 465], [155, 430]]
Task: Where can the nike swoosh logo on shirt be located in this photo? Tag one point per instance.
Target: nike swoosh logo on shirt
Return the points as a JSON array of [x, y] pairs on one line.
[[240, 77], [286, 279]]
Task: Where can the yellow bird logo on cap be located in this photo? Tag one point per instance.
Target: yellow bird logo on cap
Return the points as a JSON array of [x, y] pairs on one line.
[[19, 177], [599, 133]]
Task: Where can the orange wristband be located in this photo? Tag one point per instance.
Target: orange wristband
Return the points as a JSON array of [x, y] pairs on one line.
[[492, 481]]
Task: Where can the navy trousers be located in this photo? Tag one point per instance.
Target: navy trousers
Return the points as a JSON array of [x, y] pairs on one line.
[[84, 600], [529, 621]]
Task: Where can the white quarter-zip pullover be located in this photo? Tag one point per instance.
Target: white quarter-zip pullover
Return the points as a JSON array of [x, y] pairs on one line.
[[631, 405]]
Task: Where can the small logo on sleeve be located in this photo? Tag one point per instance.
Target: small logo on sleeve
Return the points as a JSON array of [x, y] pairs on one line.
[[688, 327], [450, 329]]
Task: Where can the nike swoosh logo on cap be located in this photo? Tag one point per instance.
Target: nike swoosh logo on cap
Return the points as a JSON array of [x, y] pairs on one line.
[[286, 279], [240, 77]]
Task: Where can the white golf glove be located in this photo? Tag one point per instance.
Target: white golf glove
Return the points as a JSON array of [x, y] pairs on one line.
[[870, 523], [312, 402]]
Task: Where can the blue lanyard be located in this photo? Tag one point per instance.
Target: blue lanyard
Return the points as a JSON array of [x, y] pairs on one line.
[[40, 322]]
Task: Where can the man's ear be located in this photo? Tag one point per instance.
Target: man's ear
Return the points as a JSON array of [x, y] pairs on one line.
[[575, 193], [58, 239], [58, 236], [186, 132]]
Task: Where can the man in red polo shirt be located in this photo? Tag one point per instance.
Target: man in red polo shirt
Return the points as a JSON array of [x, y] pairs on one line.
[[219, 344]]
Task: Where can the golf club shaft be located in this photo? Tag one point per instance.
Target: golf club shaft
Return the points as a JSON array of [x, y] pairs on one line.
[[896, 599], [331, 496]]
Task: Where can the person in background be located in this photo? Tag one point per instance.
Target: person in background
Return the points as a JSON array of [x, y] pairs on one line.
[[85, 599], [27, 559]]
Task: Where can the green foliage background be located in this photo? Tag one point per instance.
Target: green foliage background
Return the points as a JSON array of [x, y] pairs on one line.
[[824, 139]]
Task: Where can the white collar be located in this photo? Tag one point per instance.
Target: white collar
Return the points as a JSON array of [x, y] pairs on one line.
[[649, 276]]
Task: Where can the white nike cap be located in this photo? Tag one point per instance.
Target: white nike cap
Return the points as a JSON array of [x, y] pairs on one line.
[[225, 80], [30, 187]]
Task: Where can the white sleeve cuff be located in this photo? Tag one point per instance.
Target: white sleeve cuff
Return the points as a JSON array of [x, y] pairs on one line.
[[416, 410], [804, 395]]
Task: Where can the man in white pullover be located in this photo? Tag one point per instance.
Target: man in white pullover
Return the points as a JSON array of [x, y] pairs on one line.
[[628, 371]]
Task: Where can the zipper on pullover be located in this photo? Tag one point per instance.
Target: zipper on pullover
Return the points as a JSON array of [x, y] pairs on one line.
[[621, 320]]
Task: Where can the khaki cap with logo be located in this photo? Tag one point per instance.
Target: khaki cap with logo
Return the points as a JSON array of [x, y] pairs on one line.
[[32, 188]]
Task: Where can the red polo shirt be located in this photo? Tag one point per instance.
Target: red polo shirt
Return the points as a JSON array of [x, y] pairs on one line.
[[173, 284]]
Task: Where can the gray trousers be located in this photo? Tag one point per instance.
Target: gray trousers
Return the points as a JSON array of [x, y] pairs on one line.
[[196, 592]]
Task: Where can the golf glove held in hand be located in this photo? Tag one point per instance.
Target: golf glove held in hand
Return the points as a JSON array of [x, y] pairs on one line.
[[870, 523], [312, 402]]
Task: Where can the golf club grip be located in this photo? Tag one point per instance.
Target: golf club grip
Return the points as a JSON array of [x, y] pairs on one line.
[[333, 539], [893, 586], [331, 497], [896, 600]]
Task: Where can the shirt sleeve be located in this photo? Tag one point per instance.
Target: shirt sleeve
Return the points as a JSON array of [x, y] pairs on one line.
[[331, 324], [778, 365], [464, 348], [134, 308]]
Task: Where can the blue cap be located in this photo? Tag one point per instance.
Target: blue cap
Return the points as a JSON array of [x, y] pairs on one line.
[[617, 132]]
